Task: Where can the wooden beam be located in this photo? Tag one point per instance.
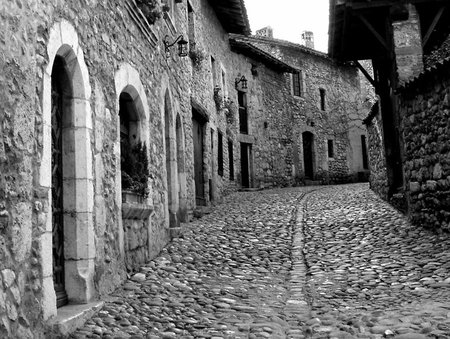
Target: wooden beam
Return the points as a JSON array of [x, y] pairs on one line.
[[387, 3], [366, 74], [433, 25], [374, 32]]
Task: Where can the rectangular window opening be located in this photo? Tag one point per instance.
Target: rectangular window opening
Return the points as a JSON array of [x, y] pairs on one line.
[[191, 26], [364, 152], [220, 153], [322, 99], [330, 149], [297, 84], [231, 159], [213, 71], [243, 116]]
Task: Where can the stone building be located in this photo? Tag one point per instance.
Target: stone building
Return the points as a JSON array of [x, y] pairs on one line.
[[409, 125], [110, 137], [307, 110]]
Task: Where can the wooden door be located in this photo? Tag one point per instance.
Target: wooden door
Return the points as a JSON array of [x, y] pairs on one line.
[[198, 139], [308, 154]]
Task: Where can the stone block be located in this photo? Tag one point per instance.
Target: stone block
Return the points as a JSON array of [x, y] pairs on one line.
[[22, 231], [8, 277], [431, 185], [414, 187], [46, 254], [78, 195], [78, 236], [79, 280]]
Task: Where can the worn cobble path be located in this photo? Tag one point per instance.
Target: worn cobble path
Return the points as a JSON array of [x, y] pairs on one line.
[[370, 273], [335, 263], [225, 278]]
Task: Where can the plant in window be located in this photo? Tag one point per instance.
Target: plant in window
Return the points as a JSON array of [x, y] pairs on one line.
[[230, 110], [197, 56], [218, 99], [134, 168], [152, 9]]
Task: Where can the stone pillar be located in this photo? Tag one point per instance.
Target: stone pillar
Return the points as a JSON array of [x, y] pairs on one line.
[[408, 46]]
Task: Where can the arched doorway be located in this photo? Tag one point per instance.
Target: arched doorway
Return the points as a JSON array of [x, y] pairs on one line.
[[171, 163], [308, 154], [61, 94], [182, 210]]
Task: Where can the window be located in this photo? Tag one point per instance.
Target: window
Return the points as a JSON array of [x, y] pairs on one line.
[[213, 71], [191, 27], [171, 5], [297, 84], [322, 99], [224, 83], [220, 153], [364, 152], [231, 159], [243, 118], [330, 149]]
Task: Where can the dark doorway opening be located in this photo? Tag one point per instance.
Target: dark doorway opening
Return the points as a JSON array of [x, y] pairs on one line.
[[245, 164], [198, 134], [308, 154], [61, 91]]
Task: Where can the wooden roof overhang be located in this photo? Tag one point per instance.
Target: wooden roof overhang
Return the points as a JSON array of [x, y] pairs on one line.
[[232, 15], [244, 47], [361, 29]]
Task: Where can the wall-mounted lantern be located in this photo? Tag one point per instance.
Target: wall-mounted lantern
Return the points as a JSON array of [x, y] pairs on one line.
[[182, 46], [242, 80]]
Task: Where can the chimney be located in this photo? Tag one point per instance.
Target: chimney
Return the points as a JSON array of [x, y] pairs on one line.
[[308, 39], [266, 31], [408, 45]]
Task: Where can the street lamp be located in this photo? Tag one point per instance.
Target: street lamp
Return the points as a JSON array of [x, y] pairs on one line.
[[182, 46]]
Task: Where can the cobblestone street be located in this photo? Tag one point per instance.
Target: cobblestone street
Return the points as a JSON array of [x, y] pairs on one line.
[[310, 262]]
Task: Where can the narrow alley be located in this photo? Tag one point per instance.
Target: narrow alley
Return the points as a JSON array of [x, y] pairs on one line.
[[308, 262]]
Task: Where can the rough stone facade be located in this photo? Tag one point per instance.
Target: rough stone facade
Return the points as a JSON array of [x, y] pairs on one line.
[[421, 114], [378, 176], [282, 117], [427, 150], [105, 49]]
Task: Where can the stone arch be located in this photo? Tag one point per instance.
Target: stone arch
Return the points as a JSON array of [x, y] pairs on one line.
[[127, 81], [181, 168], [171, 162], [66, 56]]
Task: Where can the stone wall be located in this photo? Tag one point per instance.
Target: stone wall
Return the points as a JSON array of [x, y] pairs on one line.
[[424, 107], [279, 151], [377, 159], [108, 39]]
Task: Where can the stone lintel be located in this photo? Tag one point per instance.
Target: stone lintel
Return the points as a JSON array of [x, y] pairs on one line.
[[136, 211], [245, 138]]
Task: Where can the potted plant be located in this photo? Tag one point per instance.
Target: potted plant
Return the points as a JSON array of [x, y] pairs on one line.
[[135, 171], [218, 99], [229, 110], [197, 56], [152, 9]]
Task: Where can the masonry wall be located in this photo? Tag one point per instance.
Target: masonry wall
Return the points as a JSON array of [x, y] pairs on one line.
[[377, 159], [109, 39], [289, 116], [424, 106]]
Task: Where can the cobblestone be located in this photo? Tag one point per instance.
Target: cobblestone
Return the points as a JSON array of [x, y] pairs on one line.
[[336, 263]]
